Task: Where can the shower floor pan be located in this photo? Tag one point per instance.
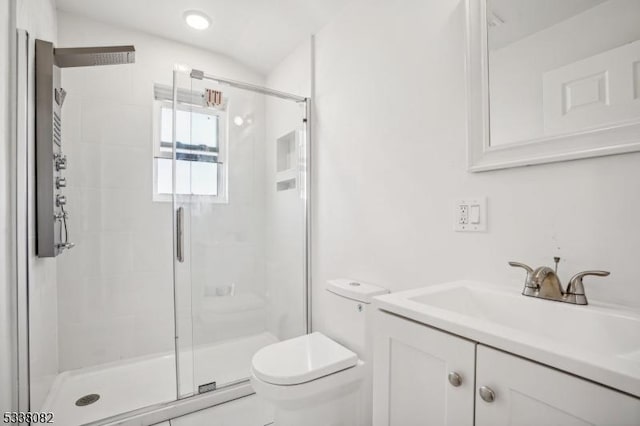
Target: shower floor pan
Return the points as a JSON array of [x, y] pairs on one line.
[[140, 382]]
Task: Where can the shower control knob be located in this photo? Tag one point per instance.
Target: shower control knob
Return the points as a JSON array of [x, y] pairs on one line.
[[61, 182], [61, 200], [61, 162]]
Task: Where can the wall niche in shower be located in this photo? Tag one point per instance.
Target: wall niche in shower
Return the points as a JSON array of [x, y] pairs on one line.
[[287, 161]]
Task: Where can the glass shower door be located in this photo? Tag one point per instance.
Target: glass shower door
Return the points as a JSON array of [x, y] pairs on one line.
[[240, 206]]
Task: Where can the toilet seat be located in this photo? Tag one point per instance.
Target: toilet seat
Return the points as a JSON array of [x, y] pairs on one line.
[[300, 395], [300, 360]]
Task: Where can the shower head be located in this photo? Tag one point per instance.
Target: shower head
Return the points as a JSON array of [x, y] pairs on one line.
[[94, 56]]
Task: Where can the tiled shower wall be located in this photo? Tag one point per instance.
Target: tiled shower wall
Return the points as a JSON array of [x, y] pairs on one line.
[[115, 287], [39, 20], [285, 230], [226, 241]]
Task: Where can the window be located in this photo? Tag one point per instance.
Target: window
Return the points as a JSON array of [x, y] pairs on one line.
[[200, 150]]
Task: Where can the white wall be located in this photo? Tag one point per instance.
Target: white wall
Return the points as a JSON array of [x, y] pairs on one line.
[[390, 153], [116, 285], [516, 70], [6, 294], [285, 224], [38, 18]]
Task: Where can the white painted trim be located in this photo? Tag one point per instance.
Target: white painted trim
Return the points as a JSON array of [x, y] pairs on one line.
[[610, 140]]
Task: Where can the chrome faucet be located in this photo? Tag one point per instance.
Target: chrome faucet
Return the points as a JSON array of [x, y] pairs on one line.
[[543, 282]]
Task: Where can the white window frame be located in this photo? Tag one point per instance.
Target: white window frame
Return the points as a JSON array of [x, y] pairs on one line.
[[223, 158]]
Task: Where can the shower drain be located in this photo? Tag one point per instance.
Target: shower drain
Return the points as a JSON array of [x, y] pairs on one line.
[[87, 399]]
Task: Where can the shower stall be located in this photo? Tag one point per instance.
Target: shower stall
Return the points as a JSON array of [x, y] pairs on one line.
[[241, 241], [187, 203]]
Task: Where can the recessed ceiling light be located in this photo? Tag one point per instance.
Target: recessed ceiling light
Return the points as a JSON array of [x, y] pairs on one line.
[[197, 20]]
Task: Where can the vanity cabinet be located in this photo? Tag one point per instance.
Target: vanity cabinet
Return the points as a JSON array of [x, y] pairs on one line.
[[528, 393], [413, 364]]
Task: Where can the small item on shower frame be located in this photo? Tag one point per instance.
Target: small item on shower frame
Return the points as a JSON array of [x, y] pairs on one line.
[[213, 98]]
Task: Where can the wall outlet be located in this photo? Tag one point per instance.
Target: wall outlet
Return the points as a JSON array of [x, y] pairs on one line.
[[470, 214], [463, 214]]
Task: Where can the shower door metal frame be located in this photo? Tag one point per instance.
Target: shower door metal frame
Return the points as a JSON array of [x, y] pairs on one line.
[[200, 75], [19, 174]]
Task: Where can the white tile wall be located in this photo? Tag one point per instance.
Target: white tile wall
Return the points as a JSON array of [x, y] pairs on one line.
[[43, 331], [38, 18], [227, 240], [285, 224], [115, 286]]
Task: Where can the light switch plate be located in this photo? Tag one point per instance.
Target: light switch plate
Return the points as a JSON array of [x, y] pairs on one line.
[[470, 214]]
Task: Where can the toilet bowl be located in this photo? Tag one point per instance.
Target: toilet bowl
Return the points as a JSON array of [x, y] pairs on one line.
[[311, 380], [322, 379]]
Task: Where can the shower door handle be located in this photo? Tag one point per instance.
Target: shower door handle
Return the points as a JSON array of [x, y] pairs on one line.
[[180, 234]]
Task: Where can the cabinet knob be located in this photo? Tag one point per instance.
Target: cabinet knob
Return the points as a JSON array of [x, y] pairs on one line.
[[487, 394], [455, 379]]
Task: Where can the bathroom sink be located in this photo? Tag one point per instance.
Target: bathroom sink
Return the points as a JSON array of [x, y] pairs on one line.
[[599, 342]]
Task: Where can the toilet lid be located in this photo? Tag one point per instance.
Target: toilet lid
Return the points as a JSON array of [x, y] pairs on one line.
[[301, 360]]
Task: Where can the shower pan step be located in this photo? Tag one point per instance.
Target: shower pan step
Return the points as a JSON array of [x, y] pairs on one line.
[[89, 394]]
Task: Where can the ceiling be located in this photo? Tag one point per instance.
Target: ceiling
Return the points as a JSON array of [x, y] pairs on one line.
[[522, 18], [258, 33]]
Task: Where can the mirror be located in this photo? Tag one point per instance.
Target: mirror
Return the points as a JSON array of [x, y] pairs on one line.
[[552, 80]]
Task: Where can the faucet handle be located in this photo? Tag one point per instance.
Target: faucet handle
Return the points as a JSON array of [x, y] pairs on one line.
[[527, 268], [575, 288], [529, 287]]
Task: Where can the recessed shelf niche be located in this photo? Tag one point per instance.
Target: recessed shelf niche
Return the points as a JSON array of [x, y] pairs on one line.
[[287, 161]]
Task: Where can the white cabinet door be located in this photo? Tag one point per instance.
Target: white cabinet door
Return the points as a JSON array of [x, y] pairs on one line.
[[411, 364], [527, 393]]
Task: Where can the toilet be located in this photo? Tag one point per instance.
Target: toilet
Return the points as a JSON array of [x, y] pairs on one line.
[[323, 379]]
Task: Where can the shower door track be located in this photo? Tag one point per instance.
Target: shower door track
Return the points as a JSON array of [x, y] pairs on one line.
[[200, 75], [172, 409]]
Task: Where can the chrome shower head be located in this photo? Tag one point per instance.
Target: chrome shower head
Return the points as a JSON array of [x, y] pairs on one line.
[[94, 56]]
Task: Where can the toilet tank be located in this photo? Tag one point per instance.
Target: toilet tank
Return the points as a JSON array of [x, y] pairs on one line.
[[349, 309]]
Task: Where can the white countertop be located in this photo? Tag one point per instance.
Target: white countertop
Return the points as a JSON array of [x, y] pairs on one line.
[[598, 342]]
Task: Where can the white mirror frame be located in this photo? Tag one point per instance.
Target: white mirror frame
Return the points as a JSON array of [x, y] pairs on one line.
[[481, 156]]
